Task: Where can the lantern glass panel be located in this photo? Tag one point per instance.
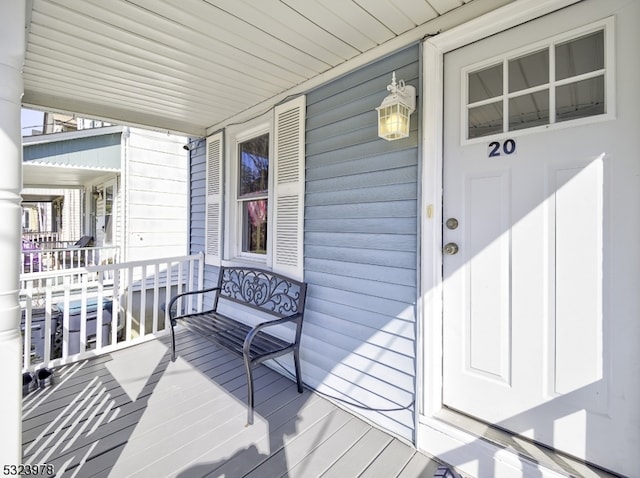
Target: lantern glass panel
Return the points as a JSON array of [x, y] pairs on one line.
[[393, 121]]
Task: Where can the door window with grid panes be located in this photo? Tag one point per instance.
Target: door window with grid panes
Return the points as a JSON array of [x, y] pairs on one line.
[[556, 83]]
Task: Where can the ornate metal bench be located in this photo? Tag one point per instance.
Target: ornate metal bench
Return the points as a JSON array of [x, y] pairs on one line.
[[241, 295]]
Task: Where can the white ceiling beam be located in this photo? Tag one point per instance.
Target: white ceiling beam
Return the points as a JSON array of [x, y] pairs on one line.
[[108, 113]]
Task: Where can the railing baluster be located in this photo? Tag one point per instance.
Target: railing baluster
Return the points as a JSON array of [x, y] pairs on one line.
[[65, 317], [143, 300], [129, 305], [179, 279], [27, 324], [115, 299], [99, 314], [190, 278], [169, 280], [83, 315], [156, 297], [48, 332], [167, 295]]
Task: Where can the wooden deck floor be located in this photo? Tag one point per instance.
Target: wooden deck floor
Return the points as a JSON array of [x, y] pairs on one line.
[[135, 413]]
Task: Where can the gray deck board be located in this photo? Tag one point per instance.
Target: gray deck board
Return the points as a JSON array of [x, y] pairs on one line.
[[359, 454], [321, 458], [302, 444], [390, 461], [419, 465], [134, 413]]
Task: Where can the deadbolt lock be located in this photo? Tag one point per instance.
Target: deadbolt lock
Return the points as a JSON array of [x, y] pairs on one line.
[[450, 249], [452, 223]]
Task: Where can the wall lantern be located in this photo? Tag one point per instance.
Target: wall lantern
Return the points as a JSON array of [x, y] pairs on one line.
[[96, 194], [395, 110]]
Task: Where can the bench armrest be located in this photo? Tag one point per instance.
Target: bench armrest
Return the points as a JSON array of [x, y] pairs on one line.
[[176, 297], [297, 318]]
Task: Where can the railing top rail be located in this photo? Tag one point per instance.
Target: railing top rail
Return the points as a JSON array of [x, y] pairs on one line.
[[69, 248], [149, 262], [107, 267], [55, 241]]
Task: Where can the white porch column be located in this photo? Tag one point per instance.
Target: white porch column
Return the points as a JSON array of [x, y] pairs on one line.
[[12, 51]]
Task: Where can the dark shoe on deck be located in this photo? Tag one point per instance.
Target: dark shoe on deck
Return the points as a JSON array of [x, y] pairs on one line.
[[29, 383], [44, 377]]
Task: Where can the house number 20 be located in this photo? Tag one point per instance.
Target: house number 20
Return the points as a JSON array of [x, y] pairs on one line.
[[504, 148]]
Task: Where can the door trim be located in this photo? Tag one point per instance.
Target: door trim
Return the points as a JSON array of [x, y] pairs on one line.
[[456, 446]]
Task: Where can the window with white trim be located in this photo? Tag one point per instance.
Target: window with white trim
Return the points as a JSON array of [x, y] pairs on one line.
[[263, 202], [253, 194], [249, 191], [561, 81]]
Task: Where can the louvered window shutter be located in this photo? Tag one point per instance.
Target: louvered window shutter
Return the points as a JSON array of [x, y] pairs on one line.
[[213, 208], [288, 210]]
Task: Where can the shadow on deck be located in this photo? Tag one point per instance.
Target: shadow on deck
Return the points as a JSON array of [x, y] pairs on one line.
[[135, 413]]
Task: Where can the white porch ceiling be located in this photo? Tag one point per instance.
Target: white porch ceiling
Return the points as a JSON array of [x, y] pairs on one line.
[[187, 65]]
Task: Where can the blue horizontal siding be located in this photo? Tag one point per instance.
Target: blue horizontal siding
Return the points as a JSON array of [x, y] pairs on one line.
[[360, 239], [329, 168], [401, 259], [387, 243], [360, 247], [197, 201], [197, 175], [366, 287]]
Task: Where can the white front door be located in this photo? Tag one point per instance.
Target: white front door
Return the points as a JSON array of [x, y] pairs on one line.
[[541, 212]]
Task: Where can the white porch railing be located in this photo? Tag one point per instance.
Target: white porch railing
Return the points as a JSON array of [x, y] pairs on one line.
[[42, 236], [75, 313], [49, 259]]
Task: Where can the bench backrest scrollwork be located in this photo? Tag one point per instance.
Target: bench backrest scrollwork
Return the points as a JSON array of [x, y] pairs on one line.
[[262, 290]]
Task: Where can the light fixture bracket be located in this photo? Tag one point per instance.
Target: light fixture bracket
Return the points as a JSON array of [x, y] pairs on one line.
[[400, 92], [193, 144]]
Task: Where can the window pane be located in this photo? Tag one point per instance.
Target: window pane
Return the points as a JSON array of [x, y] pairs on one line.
[[580, 99], [530, 110], [485, 120], [254, 166], [579, 56], [254, 226], [528, 71], [485, 84]]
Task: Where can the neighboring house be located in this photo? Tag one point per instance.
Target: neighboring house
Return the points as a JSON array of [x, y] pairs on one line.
[[60, 122], [125, 187], [473, 287]]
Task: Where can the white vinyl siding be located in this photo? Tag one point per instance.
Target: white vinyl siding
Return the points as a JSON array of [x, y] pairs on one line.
[[213, 209], [289, 162], [155, 189]]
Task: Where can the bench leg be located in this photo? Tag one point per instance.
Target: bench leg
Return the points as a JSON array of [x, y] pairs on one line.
[[173, 344], [249, 370], [296, 361]]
